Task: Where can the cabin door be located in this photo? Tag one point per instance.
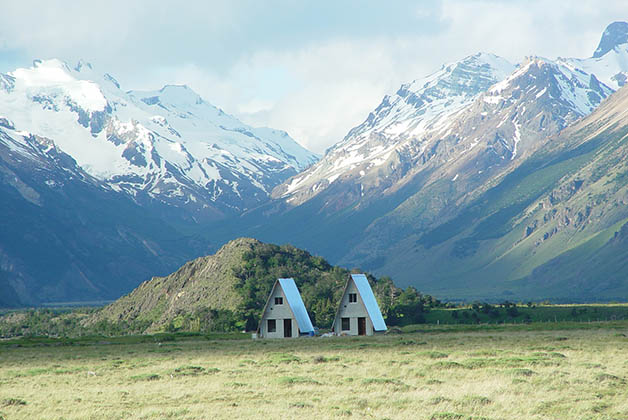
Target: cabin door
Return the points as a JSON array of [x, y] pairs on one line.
[[361, 326], [287, 327]]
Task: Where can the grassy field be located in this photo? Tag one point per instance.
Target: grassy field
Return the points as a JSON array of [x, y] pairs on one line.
[[528, 371]]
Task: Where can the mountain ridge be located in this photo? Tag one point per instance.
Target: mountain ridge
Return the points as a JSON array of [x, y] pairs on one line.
[[522, 242], [168, 145], [102, 190]]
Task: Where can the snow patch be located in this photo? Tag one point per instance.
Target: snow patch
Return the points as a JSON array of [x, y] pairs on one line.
[[541, 93], [493, 99], [54, 78], [332, 178], [516, 140]]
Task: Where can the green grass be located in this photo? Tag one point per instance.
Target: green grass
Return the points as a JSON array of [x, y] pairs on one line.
[[525, 371], [93, 340]]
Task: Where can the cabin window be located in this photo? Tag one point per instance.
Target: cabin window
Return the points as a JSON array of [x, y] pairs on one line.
[[278, 301], [353, 297], [272, 325], [346, 324]]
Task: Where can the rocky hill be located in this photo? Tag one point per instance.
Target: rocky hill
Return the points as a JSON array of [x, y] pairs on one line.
[[229, 289]]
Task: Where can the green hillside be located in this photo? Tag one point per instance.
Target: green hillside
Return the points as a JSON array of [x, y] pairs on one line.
[[554, 227]]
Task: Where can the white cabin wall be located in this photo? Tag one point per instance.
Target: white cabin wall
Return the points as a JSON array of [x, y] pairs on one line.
[[353, 311], [278, 313]]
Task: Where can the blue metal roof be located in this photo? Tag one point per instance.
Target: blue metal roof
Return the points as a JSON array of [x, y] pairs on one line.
[[364, 288], [293, 297]]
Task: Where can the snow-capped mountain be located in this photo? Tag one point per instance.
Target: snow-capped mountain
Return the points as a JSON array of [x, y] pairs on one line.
[[489, 138], [167, 146], [410, 176], [554, 226], [416, 108], [428, 118], [102, 189], [538, 100]]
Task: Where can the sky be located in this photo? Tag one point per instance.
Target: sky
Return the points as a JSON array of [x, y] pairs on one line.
[[314, 69]]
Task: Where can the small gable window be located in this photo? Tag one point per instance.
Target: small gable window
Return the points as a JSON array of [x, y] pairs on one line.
[[278, 301], [353, 297], [272, 325], [346, 325]]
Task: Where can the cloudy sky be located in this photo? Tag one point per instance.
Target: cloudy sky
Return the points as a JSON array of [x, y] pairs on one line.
[[315, 69]]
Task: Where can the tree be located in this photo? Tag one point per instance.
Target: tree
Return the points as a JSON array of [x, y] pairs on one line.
[[408, 308]]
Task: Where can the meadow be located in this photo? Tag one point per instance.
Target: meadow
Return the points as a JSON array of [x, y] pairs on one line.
[[529, 371]]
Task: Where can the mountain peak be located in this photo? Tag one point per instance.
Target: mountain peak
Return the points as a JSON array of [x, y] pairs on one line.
[[465, 77], [483, 57], [615, 34], [53, 78]]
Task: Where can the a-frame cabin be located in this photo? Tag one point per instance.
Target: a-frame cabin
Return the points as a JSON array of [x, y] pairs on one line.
[[358, 312], [284, 314]]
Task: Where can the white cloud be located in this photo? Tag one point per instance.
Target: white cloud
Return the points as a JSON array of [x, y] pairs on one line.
[[330, 87], [255, 106]]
